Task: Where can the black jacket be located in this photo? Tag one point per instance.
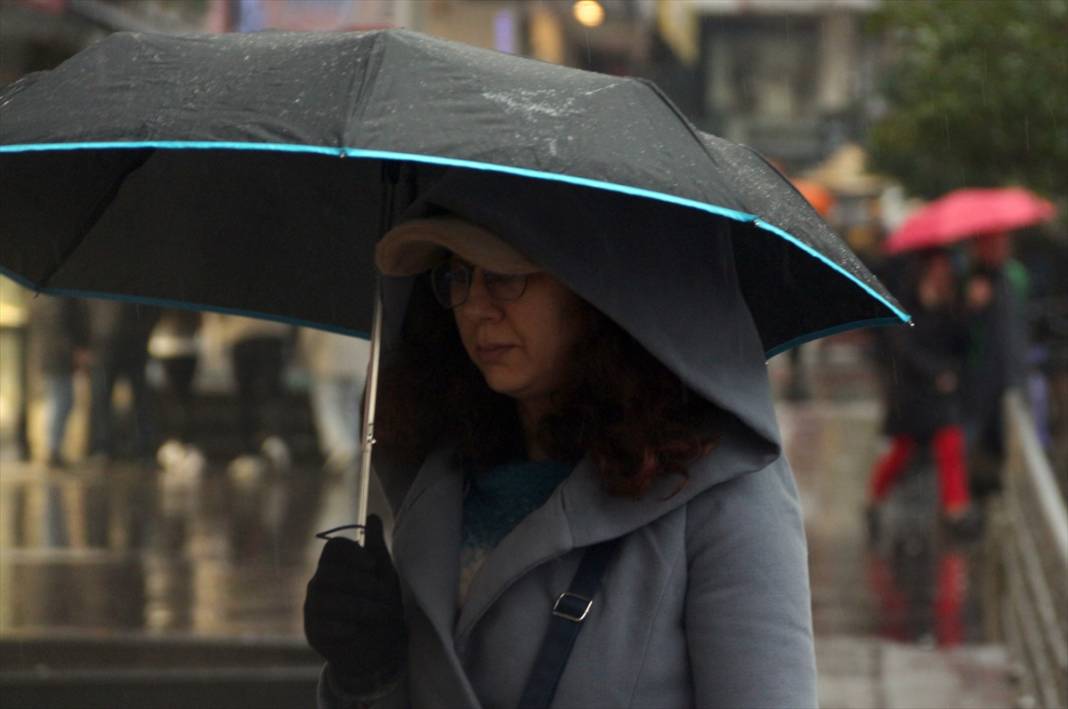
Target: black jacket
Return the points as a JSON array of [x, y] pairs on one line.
[[917, 356]]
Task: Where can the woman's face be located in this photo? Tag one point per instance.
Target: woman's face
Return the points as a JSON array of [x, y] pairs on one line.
[[523, 347]]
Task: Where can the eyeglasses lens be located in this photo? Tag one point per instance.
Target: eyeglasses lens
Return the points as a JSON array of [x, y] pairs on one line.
[[452, 284], [504, 286]]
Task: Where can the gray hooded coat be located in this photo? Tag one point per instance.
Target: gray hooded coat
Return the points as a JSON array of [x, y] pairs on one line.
[[707, 602]]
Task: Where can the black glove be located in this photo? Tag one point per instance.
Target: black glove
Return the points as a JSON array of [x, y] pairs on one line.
[[353, 615]]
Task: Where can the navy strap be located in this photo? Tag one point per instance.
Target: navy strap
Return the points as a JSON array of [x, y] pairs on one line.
[[568, 613]]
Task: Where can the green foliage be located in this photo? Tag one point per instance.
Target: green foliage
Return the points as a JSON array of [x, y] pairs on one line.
[[977, 95]]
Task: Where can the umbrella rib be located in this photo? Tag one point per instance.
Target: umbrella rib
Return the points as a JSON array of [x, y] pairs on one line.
[[690, 127], [374, 65], [94, 217]]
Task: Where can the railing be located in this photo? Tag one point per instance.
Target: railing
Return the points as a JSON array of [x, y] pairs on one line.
[[1030, 527]]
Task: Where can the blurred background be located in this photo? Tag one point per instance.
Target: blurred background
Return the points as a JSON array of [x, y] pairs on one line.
[[162, 473]]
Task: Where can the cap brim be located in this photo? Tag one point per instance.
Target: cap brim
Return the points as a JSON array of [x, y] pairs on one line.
[[420, 244]]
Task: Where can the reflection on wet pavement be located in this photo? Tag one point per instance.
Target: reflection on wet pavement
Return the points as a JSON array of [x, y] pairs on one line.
[[913, 584], [121, 550]]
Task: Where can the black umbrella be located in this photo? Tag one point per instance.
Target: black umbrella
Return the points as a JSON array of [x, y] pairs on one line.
[[202, 170], [252, 173]]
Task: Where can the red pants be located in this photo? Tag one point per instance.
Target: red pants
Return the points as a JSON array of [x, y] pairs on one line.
[[948, 445]]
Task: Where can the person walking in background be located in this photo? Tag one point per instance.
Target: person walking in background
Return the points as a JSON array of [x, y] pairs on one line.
[[258, 358], [175, 345], [994, 296], [923, 401], [337, 365], [58, 342], [119, 335]]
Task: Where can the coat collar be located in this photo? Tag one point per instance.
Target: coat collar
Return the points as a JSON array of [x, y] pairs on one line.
[[577, 514]]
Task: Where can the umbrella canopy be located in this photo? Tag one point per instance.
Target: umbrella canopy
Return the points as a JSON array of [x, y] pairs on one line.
[[244, 173], [967, 213]]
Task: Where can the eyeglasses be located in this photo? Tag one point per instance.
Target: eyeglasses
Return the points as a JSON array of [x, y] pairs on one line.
[[452, 281]]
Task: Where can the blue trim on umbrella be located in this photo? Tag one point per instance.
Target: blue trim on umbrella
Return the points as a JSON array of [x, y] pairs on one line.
[[173, 145], [179, 304], [555, 176], [458, 162], [827, 332]]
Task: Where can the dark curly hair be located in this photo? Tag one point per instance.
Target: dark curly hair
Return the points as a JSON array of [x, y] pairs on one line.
[[636, 419]]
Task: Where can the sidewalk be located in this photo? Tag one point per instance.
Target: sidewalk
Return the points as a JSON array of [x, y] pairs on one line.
[[870, 673]]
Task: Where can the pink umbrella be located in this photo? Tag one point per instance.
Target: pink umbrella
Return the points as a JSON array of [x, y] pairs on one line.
[[962, 214]]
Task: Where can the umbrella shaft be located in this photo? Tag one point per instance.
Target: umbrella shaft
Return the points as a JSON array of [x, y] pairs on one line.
[[370, 397]]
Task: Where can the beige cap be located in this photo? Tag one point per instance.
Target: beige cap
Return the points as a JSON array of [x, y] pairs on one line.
[[420, 244]]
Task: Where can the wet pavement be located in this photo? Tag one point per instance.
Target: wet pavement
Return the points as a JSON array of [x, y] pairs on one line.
[[902, 620], [127, 586], [136, 555], [914, 584], [122, 550]]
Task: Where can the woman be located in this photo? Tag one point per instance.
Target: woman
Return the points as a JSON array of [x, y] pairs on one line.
[[541, 428]]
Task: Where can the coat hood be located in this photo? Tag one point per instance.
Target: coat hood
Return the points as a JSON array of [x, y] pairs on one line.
[[665, 274]]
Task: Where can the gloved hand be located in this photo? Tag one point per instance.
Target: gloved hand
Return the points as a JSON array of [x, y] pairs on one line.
[[353, 615]]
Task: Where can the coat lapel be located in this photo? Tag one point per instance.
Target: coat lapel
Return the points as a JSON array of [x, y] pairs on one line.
[[426, 541]]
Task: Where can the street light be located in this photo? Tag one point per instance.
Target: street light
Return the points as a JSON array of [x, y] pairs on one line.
[[589, 13]]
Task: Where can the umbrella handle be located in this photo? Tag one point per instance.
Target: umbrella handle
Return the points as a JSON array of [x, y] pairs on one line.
[[370, 397]]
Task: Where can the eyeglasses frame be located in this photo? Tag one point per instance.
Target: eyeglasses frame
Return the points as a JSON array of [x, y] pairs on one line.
[[489, 278]]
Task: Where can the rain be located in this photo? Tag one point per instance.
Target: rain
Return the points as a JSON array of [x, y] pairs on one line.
[[183, 406]]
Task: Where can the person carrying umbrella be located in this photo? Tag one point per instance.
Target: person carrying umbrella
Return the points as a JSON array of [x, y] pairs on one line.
[[661, 267], [995, 294], [542, 431], [923, 399]]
